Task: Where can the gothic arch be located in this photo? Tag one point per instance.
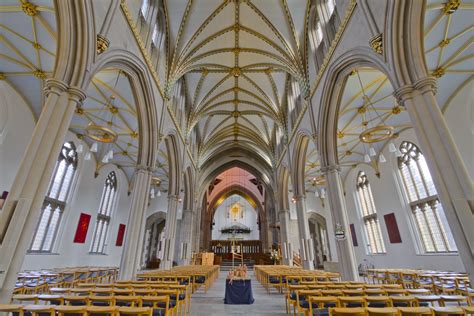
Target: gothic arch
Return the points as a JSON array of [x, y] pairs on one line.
[[332, 94], [140, 82]]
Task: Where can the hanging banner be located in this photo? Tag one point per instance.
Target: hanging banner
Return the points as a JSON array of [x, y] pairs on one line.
[[82, 228], [120, 235]]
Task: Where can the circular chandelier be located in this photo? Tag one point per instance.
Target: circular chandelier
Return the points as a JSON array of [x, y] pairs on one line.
[[100, 133], [376, 134]]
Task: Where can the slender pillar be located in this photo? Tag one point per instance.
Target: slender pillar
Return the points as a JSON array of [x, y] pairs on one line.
[[170, 232], [186, 237], [135, 234], [196, 236], [21, 212], [284, 216], [305, 237], [337, 204], [452, 182]]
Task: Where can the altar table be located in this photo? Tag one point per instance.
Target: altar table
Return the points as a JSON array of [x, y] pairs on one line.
[[238, 291]]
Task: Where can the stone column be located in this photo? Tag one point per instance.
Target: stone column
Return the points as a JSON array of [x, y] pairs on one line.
[[186, 237], [196, 236], [305, 237], [337, 204], [284, 216], [451, 179], [21, 211], [135, 232], [170, 232]]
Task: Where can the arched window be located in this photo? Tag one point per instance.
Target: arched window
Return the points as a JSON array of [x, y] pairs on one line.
[[369, 215], [107, 203], [144, 7], [55, 200], [427, 211]]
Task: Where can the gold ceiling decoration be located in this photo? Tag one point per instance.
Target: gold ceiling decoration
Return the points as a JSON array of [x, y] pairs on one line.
[[102, 44], [377, 43]]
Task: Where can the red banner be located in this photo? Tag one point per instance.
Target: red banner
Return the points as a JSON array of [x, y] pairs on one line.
[[120, 235], [82, 227]]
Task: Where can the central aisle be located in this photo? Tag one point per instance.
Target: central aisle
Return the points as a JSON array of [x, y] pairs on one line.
[[212, 302]]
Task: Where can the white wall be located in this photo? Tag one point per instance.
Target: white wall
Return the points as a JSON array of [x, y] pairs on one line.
[[388, 198], [249, 219], [459, 114], [85, 198], [16, 127]]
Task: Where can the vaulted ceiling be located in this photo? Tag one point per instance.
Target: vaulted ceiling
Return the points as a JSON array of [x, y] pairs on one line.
[[236, 58]]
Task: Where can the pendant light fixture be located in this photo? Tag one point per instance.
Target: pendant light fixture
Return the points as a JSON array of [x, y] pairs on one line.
[[382, 158]]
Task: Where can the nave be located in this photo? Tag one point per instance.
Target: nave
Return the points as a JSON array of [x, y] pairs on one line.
[[147, 144]]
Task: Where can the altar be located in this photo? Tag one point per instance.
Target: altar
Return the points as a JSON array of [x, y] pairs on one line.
[[238, 291]]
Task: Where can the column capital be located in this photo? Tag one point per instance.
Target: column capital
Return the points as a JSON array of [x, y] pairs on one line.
[[173, 197], [77, 95], [299, 197], [143, 168], [55, 86], [423, 85], [331, 169]]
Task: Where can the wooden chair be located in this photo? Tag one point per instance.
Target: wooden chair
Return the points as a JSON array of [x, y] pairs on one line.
[[76, 300], [403, 301], [378, 301], [302, 302], [71, 310], [430, 299], [469, 310], [12, 308], [36, 310], [60, 290], [382, 311], [25, 298], [159, 304], [291, 297], [415, 311], [459, 299], [127, 291], [374, 292], [138, 311], [102, 310], [331, 293], [445, 311], [354, 311], [353, 292], [323, 303], [51, 299], [352, 301], [127, 300], [97, 300]]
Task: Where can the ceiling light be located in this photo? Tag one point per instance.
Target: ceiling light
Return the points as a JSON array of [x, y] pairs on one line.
[[105, 159], [398, 153], [110, 154], [323, 193], [88, 156], [80, 149], [94, 147], [316, 193], [366, 158], [152, 193], [372, 152], [382, 158], [391, 147], [158, 193]]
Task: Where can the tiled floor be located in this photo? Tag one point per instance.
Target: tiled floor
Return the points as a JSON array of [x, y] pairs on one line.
[[212, 302]]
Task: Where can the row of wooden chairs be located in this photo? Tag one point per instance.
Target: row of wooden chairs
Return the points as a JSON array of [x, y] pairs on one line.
[[162, 302], [199, 275], [57, 310], [35, 282], [178, 297], [399, 311], [304, 300]]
